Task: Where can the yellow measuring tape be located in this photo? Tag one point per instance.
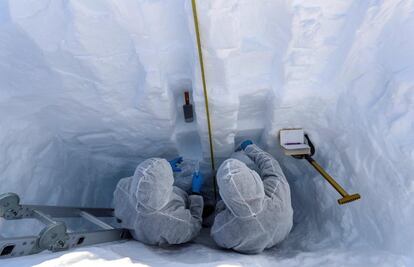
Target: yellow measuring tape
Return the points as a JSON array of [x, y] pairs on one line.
[[203, 77]]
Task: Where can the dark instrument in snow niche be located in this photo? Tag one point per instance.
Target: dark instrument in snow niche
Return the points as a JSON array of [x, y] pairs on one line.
[[188, 108], [297, 144]]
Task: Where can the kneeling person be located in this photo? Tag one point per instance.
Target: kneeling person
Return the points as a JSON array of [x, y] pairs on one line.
[[255, 212], [155, 211]]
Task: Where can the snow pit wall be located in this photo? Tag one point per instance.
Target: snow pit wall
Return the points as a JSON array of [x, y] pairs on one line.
[[88, 89]]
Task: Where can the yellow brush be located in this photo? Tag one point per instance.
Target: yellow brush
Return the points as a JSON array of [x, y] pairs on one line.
[[295, 142], [346, 198]]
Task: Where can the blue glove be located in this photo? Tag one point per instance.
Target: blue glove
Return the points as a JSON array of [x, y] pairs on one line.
[[244, 145], [197, 183], [174, 164]]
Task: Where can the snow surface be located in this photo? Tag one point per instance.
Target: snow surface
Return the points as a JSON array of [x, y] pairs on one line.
[[203, 253], [88, 89]]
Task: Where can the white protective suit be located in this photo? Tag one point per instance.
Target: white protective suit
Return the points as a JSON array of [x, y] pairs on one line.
[[255, 212], [155, 211]]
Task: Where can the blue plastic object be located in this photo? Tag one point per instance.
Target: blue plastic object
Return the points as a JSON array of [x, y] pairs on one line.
[[244, 145], [197, 183], [174, 164]]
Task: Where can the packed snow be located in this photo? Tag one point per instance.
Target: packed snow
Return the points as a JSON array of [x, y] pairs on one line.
[[89, 89]]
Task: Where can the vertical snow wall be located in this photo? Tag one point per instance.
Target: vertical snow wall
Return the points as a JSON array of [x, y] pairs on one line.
[[88, 89]]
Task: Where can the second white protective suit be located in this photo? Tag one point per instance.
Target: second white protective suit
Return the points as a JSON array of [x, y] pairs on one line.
[[155, 211], [255, 212]]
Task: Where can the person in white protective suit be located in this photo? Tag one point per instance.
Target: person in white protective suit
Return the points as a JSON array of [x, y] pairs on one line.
[[155, 211], [255, 212]]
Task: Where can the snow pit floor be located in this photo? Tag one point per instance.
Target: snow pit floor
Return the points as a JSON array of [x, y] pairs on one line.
[[203, 252]]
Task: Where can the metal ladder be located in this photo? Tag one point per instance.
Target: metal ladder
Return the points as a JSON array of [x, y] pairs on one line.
[[55, 235]]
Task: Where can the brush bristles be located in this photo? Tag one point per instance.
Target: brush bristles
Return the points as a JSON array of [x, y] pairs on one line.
[[348, 199]]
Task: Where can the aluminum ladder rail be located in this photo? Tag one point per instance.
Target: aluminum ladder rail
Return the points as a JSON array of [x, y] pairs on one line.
[[55, 235]]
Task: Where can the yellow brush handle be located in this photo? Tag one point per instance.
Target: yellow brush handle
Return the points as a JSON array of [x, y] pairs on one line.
[[346, 198]]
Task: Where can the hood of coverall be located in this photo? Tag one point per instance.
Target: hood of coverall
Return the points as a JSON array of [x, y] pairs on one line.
[[241, 155], [240, 188], [155, 183]]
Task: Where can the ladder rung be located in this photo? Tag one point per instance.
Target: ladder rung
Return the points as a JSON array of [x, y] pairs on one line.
[[95, 220], [44, 218], [62, 212]]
